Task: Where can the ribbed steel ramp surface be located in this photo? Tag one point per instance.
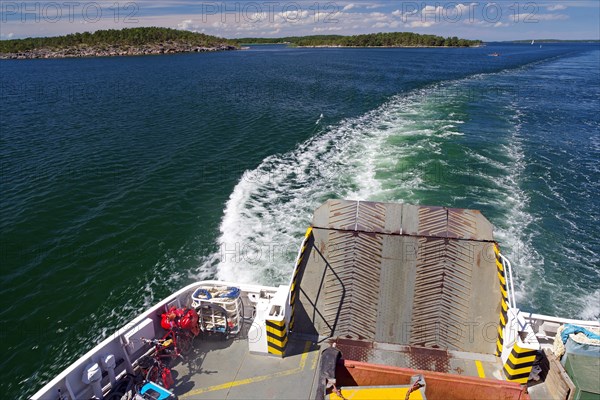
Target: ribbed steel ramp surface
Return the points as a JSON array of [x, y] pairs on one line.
[[401, 274]]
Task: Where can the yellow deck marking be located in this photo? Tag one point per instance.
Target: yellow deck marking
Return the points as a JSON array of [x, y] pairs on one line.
[[304, 357], [480, 370], [314, 363], [255, 379]]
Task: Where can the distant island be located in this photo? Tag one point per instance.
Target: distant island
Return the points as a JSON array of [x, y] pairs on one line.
[[556, 41], [113, 42], [391, 39], [154, 40]]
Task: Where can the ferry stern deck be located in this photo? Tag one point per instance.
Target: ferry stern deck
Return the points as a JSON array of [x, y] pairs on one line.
[[384, 301], [411, 288]]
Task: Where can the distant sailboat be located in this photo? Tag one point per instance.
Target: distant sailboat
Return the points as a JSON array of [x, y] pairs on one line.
[[533, 41]]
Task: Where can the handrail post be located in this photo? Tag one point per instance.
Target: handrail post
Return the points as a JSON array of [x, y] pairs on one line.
[[509, 277]]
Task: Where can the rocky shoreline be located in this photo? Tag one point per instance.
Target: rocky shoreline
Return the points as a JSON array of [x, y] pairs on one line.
[[339, 46], [113, 51]]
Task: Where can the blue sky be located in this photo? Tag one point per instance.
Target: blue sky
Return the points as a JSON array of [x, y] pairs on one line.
[[486, 20]]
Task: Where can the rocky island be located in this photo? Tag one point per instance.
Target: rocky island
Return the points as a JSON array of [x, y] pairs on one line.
[[153, 40], [106, 43], [382, 39]]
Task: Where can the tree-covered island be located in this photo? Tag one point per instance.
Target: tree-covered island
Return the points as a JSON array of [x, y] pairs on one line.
[[114, 42], [154, 40], [388, 39]]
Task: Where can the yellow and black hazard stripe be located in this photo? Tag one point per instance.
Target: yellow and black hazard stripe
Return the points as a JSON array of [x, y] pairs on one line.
[[519, 364], [501, 325], [277, 337], [504, 301], [300, 264]]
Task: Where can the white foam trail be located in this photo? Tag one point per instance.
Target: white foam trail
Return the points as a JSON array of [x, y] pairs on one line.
[[360, 158], [591, 306], [517, 243]]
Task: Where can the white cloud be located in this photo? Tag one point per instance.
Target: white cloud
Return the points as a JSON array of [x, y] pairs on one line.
[[327, 29], [421, 24], [464, 9], [348, 7], [500, 24], [447, 13], [381, 25], [378, 15], [432, 11], [556, 7], [431, 8], [185, 24], [540, 17], [301, 16]]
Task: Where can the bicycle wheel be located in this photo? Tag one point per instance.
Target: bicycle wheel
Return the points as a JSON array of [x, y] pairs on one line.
[[153, 374], [184, 343]]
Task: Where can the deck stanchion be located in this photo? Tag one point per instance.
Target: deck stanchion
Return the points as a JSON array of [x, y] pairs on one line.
[[504, 301], [276, 337], [519, 364]]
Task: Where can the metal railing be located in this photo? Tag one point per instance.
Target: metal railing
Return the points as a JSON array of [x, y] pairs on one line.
[[510, 288], [546, 326]]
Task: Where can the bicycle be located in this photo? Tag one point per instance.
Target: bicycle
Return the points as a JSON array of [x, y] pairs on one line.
[[181, 326], [152, 366], [182, 341]]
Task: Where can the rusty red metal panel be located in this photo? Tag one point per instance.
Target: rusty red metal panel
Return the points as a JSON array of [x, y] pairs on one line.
[[371, 217], [433, 221], [405, 219], [443, 289], [355, 349], [348, 215], [468, 224], [428, 359], [364, 246], [461, 224], [352, 283], [439, 386], [342, 215]]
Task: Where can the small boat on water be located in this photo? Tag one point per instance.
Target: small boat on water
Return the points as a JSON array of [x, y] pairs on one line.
[[494, 54], [384, 300]]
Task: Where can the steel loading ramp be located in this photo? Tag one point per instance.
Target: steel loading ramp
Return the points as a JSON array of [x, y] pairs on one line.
[[401, 274]]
